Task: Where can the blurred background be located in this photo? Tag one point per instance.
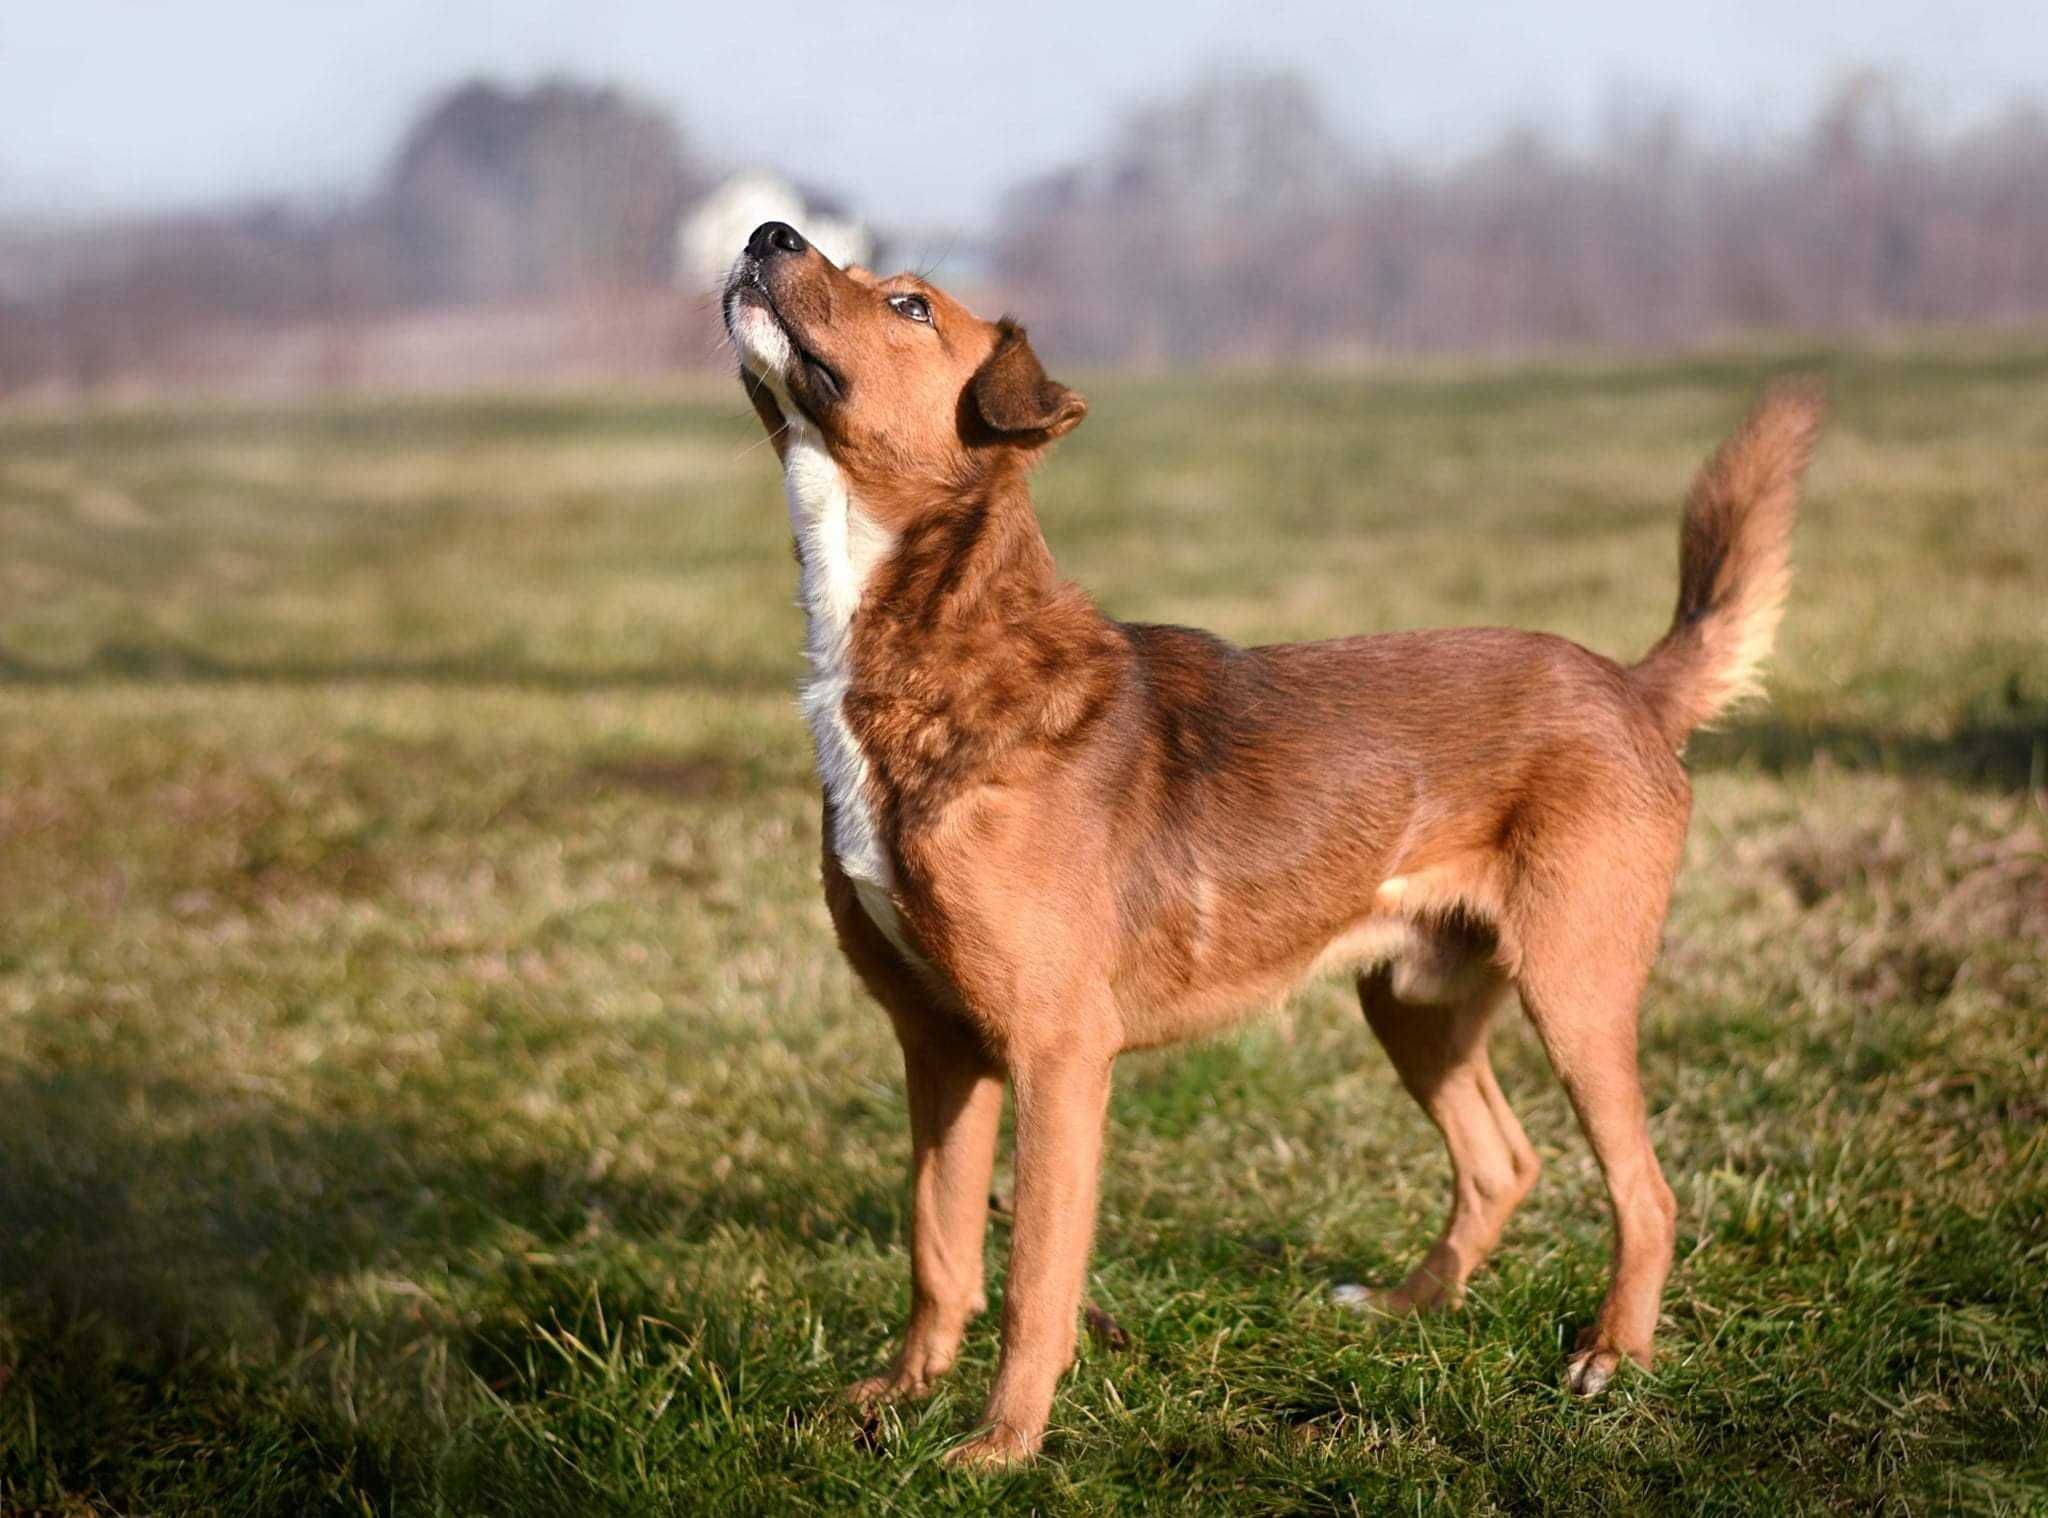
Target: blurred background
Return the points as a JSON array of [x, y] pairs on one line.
[[281, 199]]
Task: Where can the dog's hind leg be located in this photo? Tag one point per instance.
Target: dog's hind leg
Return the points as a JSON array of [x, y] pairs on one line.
[[1583, 968], [1439, 1049]]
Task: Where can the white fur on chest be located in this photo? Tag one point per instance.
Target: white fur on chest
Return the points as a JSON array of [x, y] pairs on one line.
[[838, 547]]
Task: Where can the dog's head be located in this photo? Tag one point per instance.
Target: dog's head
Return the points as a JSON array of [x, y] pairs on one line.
[[909, 390]]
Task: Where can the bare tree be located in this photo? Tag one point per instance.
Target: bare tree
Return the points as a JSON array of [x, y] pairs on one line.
[[1652, 238], [498, 193]]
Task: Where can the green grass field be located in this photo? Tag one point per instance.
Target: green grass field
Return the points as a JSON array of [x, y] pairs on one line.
[[427, 1082]]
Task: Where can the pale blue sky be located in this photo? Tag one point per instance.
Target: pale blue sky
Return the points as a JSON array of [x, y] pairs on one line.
[[919, 109]]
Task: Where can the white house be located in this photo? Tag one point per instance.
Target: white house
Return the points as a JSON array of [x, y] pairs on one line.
[[715, 228]]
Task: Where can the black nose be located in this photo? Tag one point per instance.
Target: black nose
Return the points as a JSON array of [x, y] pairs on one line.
[[773, 237]]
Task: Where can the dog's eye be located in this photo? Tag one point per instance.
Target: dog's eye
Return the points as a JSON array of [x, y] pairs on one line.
[[912, 306]]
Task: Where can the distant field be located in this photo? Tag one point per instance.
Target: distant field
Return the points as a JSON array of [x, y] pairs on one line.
[[427, 1083]]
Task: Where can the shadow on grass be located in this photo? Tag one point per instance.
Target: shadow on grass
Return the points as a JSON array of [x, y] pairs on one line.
[[1999, 753], [172, 663], [182, 1266]]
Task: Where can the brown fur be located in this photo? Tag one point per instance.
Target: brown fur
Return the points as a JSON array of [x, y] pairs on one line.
[[1734, 566], [1106, 836]]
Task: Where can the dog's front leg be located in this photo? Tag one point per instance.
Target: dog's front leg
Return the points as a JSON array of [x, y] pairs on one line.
[[956, 1100], [1062, 1096]]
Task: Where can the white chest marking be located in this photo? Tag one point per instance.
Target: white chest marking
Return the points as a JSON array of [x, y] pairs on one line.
[[838, 547]]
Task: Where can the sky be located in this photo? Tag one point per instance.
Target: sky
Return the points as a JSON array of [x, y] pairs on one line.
[[919, 111]]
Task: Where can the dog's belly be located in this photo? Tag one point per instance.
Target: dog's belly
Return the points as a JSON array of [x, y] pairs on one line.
[[1429, 963]]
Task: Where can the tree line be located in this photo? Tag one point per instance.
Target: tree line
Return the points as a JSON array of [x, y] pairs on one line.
[[1234, 224], [1230, 223]]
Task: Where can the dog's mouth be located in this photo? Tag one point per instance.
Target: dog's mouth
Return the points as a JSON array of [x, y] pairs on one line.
[[807, 377], [824, 379]]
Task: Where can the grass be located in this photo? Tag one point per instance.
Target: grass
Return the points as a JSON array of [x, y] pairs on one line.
[[427, 1083]]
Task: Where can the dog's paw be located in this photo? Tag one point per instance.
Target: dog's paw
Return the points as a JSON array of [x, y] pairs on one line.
[[873, 1391], [1403, 1301], [1587, 1373], [1595, 1362], [998, 1447], [1359, 1298]]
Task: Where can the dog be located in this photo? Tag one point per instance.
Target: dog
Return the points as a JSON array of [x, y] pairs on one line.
[[1051, 837]]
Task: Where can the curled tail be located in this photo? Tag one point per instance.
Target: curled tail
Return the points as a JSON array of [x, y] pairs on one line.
[[1734, 566]]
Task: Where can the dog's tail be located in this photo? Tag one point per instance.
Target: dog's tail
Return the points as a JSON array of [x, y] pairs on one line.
[[1734, 565]]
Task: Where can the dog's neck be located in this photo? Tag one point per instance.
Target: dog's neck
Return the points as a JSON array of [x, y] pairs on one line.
[[974, 562], [938, 650], [974, 555], [838, 545], [970, 652], [973, 567]]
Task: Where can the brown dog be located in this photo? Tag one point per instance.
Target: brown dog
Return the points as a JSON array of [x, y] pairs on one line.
[[1051, 837]]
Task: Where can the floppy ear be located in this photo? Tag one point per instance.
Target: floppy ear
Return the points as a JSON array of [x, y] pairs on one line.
[[1013, 395]]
